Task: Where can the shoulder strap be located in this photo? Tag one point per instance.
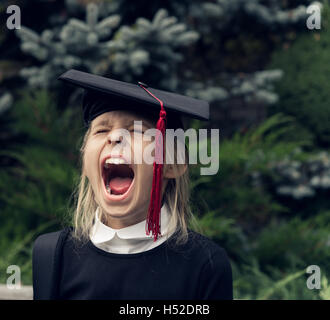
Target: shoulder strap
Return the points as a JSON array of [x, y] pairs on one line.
[[45, 263]]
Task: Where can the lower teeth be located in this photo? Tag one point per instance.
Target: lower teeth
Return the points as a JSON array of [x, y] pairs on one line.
[[108, 189]]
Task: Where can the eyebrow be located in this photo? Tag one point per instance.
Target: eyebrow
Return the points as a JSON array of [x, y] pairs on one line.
[[101, 123]]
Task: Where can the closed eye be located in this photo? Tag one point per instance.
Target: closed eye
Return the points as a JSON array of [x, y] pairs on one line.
[[132, 130]]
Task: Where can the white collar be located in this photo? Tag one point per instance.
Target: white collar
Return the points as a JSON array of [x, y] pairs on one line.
[[102, 233]]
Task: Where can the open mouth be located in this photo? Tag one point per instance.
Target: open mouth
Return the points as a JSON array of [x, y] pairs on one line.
[[117, 177]]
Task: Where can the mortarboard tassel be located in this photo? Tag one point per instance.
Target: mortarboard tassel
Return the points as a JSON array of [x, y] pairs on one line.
[[156, 191]]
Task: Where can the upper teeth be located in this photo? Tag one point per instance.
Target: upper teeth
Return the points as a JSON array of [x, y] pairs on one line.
[[115, 161]]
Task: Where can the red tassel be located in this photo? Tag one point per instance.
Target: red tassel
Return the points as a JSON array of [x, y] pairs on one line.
[[153, 223]]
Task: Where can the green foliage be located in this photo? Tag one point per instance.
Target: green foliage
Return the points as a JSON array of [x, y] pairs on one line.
[[18, 251], [230, 190], [269, 243], [325, 289], [304, 90], [257, 285], [44, 174], [295, 242]]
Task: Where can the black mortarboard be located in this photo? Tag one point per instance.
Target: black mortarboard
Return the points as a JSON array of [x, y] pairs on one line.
[[103, 94]]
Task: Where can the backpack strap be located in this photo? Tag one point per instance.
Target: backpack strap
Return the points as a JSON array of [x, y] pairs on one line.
[[46, 257]]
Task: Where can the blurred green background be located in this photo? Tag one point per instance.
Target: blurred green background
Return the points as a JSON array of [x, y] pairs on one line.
[[266, 76]]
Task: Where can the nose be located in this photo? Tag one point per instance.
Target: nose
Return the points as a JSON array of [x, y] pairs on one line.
[[114, 138]]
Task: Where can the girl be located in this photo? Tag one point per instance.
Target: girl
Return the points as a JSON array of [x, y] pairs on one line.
[[130, 238]]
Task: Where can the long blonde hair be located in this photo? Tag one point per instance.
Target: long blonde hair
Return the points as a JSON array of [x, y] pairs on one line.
[[176, 198]]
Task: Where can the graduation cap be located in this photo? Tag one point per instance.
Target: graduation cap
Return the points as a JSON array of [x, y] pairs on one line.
[[103, 95]]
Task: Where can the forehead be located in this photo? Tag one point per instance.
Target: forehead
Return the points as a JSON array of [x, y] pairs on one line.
[[122, 117]]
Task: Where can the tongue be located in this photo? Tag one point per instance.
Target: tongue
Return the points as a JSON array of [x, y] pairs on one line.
[[120, 185]]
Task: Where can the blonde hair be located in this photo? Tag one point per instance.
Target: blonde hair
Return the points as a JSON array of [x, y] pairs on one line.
[[176, 198]]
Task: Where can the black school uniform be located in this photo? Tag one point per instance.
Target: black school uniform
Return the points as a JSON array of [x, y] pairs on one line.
[[198, 269]]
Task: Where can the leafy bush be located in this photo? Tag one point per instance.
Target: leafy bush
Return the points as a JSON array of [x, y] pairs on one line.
[[43, 173], [303, 91], [269, 242]]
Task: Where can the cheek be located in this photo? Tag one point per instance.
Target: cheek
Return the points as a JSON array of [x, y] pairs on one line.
[[143, 153], [143, 150], [90, 159], [144, 181]]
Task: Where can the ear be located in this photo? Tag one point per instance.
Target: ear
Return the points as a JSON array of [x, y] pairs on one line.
[[174, 171]]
